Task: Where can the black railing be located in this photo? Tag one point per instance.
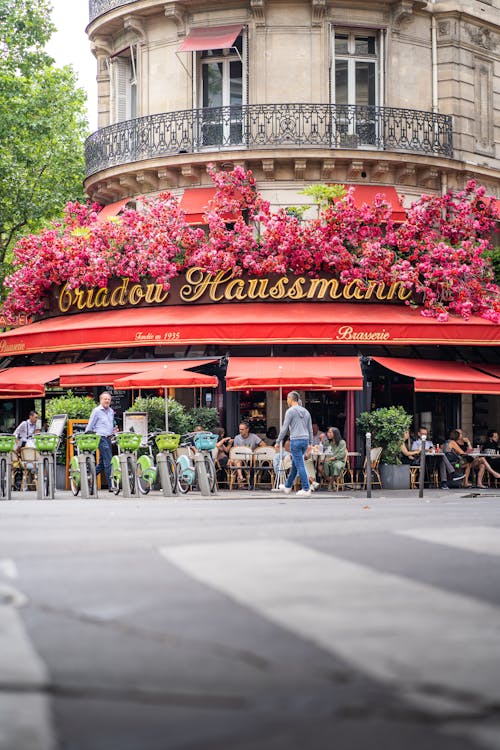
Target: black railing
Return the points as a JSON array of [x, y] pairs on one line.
[[269, 126], [98, 7]]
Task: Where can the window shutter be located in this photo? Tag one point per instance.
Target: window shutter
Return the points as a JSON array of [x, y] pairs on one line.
[[121, 77]]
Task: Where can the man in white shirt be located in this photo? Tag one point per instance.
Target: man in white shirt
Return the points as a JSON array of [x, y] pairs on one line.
[[247, 439], [421, 437]]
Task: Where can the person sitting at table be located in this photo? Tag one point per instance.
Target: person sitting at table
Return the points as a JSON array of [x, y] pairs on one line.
[[335, 456], [247, 439], [223, 446], [318, 436], [282, 454], [421, 436], [478, 463], [491, 443], [454, 451], [412, 456]]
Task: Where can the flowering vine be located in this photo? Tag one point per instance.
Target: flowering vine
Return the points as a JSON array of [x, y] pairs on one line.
[[438, 252]]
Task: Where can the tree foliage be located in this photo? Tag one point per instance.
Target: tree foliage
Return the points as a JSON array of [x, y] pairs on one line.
[[387, 426], [42, 125]]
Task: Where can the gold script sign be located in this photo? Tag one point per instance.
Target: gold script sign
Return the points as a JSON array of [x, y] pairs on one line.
[[201, 287]]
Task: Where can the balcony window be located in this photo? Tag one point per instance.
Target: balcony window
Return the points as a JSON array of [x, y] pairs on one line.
[[124, 85], [354, 86]]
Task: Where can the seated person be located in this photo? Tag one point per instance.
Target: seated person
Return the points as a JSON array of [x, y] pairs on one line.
[[412, 456], [318, 436], [421, 436], [223, 446], [491, 443], [478, 463], [285, 454], [458, 457], [335, 456], [270, 436], [247, 439]]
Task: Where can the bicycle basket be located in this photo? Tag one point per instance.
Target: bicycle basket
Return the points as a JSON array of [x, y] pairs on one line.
[[46, 442], [205, 441], [7, 443], [87, 441], [167, 441], [129, 441]]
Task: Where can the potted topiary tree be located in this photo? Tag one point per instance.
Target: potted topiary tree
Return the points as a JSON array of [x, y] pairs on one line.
[[387, 426]]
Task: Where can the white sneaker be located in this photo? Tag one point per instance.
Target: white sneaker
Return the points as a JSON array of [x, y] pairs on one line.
[[304, 493], [314, 486], [285, 489]]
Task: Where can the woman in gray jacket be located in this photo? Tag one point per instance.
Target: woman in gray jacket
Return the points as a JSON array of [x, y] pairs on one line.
[[298, 422]]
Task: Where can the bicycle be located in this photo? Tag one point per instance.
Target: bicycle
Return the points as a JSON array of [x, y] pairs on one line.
[[204, 442], [46, 445], [128, 443], [7, 445], [86, 443], [148, 472]]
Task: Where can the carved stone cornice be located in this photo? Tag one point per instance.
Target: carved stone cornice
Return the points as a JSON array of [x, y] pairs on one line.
[[406, 174], [380, 169], [191, 172], [319, 9], [402, 11], [428, 177], [147, 181], [101, 46], [328, 169], [258, 8], [268, 168], [177, 13], [354, 169]]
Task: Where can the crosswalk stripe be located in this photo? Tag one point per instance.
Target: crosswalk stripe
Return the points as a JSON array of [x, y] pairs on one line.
[[433, 646], [25, 721], [482, 539]]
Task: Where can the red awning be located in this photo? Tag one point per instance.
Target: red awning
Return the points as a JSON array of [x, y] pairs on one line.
[[241, 323], [112, 209], [303, 373], [103, 373], [442, 377], [490, 369], [210, 37], [26, 381], [170, 374], [366, 194], [194, 203]]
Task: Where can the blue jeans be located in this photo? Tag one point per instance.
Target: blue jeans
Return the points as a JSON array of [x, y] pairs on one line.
[[297, 448], [105, 454]]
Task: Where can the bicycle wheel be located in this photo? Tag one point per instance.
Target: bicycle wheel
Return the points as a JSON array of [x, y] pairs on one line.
[[172, 471], [183, 483], [144, 472], [131, 471], [90, 475], [46, 477], [116, 475], [74, 476], [3, 477], [211, 474]]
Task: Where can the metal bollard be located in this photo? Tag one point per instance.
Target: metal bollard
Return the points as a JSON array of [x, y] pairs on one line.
[[368, 450], [126, 489], [8, 471], [201, 475], [164, 474]]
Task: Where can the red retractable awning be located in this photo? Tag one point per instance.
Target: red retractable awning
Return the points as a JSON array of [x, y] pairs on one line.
[[442, 377], [103, 373], [210, 37], [194, 203], [28, 381], [367, 193], [489, 369], [167, 375], [303, 373], [240, 323], [112, 209]]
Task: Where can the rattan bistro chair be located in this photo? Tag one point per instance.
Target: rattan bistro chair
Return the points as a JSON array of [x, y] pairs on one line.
[[263, 466], [375, 455], [240, 460], [29, 460]]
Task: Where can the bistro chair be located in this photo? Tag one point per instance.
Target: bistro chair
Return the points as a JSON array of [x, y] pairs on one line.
[[29, 460], [263, 466], [240, 460], [16, 469], [375, 455]]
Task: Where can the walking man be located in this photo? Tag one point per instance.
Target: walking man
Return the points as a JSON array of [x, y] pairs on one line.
[[298, 421], [102, 422]]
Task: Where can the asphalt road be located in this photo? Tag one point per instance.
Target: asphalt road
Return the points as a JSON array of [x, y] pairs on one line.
[[251, 621]]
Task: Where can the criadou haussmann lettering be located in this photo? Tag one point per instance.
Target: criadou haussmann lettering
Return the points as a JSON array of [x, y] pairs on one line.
[[202, 287]]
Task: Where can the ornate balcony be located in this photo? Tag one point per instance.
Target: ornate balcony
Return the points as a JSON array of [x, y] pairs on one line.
[[98, 7], [268, 127]]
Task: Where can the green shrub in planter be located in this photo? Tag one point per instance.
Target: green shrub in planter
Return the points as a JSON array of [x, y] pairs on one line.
[[387, 426], [76, 407], [206, 416], [154, 406]]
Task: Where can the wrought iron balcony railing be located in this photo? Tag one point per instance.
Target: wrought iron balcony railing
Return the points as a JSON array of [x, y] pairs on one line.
[[98, 7], [269, 126]]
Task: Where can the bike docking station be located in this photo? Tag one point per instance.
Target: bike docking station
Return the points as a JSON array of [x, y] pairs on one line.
[[87, 443], [167, 443], [46, 445], [204, 465], [128, 444], [7, 445]]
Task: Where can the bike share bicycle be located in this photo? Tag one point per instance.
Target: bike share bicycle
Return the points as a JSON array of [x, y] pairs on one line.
[[199, 466], [124, 465], [46, 445], [82, 466], [165, 469], [7, 445]]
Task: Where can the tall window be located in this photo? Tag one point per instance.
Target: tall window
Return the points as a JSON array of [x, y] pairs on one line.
[[355, 83], [222, 94], [124, 78]]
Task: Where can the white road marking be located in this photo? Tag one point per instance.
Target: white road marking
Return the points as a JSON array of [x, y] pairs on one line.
[[401, 632], [8, 568], [483, 539], [25, 720]]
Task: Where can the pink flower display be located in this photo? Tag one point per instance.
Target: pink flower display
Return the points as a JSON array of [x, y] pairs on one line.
[[438, 252]]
